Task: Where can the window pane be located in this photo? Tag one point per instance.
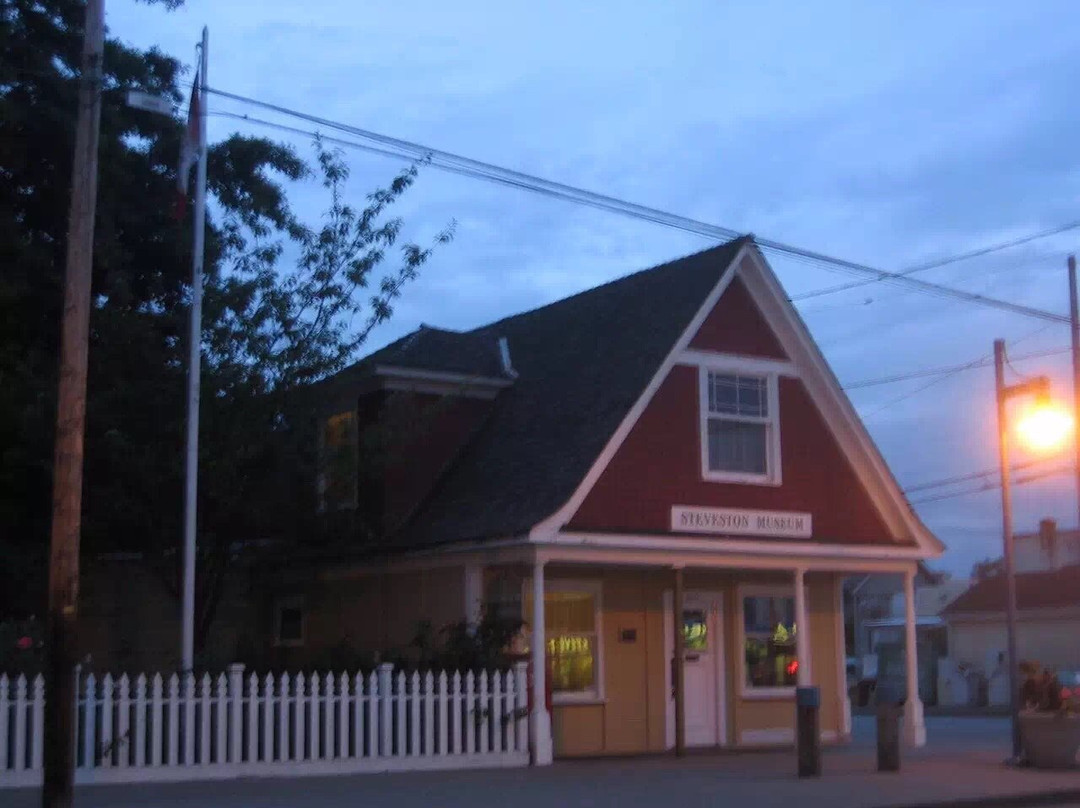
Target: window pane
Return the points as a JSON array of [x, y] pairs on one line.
[[695, 630], [762, 614], [290, 624], [737, 446], [770, 664], [572, 662], [569, 612], [723, 394], [737, 395], [770, 628]]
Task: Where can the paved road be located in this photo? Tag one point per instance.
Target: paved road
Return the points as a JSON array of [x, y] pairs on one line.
[[962, 760]]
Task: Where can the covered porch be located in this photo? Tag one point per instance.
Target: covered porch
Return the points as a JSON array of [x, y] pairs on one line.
[[642, 650]]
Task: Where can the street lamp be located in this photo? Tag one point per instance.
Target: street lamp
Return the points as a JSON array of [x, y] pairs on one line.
[[1042, 427]]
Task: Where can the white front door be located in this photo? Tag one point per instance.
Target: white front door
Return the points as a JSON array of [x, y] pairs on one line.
[[703, 706]]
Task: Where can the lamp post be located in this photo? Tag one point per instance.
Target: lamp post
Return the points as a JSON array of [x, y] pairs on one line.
[[1043, 428]]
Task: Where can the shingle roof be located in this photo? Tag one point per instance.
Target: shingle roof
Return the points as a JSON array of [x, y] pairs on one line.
[[1034, 590], [582, 362], [428, 348]]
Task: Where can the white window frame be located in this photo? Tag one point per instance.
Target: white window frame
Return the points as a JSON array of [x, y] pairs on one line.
[[772, 475], [594, 587], [280, 605], [743, 591]]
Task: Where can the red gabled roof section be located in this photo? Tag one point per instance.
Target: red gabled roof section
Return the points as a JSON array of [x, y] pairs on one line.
[[1034, 590], [736, 325]]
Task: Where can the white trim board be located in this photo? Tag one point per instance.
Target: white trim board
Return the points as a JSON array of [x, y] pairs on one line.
[[773, 735]]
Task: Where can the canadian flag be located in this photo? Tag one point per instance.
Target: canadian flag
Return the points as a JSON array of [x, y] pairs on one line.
[[189, 151]]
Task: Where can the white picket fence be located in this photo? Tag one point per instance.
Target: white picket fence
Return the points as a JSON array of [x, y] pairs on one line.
[[155, 729]]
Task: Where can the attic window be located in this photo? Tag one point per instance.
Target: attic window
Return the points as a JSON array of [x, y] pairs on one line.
[[740, 435]]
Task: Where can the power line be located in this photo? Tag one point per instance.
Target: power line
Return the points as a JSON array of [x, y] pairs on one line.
[[1063, 469], [504, 176], [975, 475], [955, 259], [948, 374], [949, 369]]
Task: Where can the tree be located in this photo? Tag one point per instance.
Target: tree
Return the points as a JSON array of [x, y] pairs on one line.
[[269, 333]]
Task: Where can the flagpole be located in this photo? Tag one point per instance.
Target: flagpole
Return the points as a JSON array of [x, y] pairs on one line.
[[191, 468]]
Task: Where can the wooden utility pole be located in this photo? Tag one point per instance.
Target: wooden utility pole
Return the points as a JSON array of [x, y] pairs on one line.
[[70, 426], [1074, 322]]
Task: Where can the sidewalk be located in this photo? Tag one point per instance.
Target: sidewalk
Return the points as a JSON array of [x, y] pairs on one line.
[[963, 762]]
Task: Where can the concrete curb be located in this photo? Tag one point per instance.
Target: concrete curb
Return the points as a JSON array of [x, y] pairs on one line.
[[1056, 797]]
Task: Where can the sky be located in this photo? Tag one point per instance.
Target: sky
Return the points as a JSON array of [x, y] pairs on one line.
[[888, 133]]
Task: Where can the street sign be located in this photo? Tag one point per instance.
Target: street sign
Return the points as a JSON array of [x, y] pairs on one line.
[[151, 103]]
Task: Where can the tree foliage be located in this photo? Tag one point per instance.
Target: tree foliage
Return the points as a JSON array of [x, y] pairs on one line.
[[271, 326]]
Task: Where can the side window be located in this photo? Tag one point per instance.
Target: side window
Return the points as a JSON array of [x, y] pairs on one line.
[[338, 462], [289, 621]]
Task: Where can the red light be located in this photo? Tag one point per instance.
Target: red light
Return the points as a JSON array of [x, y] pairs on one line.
[[24, 643], [793, 667]]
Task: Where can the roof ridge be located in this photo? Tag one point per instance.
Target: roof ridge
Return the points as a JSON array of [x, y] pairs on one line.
[[748, 238]]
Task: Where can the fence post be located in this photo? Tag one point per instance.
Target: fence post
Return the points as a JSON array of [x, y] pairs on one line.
[[455, 707], [138, 741], [174, 721], [106, 720], [189, 719], [521, 705], [386, 716], [414, 714], [429, 714], [283, 716], [470, 713], [480, 717], [401, 726], [123, 721], [155, 718], [37, 723], [497, 711], [268, 719], [299, 717], [313, 731], [236, 712], [90, 724], [252, 719], [220, 741], [358, 715], [373, 715], [444, 723], [205, 704], [343, 717]]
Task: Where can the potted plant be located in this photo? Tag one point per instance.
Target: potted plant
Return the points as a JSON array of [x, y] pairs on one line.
[[1049, 720]]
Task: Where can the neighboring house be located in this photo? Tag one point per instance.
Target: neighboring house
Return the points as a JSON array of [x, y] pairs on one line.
[[664, 460], [878, 610], [1048, 549], [1048, 621], [873, 598]]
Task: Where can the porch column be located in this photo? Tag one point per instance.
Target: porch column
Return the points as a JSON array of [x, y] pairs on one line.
[[802, 631], [914, 725], [539, 719], [678, 665]]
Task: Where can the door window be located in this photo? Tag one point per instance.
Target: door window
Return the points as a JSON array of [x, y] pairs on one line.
[[695, 630]]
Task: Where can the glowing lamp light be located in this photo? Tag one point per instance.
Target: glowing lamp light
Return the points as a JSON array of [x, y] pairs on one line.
[[1044, 427]]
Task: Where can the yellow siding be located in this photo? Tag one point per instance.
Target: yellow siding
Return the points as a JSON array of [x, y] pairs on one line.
[[632, 717]]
